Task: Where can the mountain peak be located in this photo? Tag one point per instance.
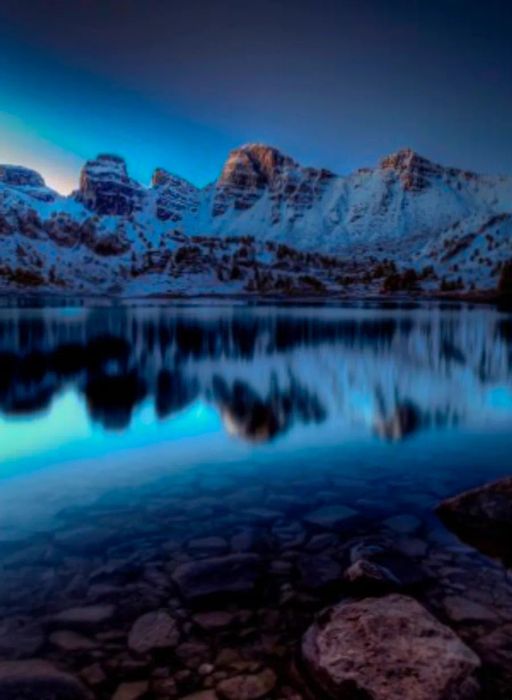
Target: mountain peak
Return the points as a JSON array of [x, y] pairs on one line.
[[106, 188], [19, 176], [403, 159], [161, 177], [106, 164], [254, 164], [414, 171]]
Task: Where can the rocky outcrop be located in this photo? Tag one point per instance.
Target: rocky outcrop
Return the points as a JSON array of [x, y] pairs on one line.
[[26, 182], [388, 648], [105, 243], [416, 173], [106, 188], [483, 517], [174, 196], [256, 169], [63, 230], [19, 176]]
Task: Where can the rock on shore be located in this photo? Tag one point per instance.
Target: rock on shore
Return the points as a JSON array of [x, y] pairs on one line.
[[388, 648], [483, 517]]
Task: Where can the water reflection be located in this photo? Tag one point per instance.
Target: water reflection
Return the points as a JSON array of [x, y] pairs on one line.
[[265, 370], [123, 493]]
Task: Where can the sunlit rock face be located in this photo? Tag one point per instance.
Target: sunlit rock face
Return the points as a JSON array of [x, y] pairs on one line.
[[416, 173], [106, 188], [174, 196], [256, 169]]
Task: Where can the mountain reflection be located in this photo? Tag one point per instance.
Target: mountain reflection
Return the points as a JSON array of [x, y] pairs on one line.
[[265, 370]]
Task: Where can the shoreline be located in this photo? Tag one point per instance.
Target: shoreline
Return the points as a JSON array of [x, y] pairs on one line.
[[489, 298]]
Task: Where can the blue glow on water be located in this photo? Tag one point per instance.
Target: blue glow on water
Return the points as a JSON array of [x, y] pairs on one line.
[[92, 400], [65, 434]]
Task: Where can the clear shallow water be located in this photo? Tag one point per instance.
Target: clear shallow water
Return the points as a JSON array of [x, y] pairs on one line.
[[128, 433]]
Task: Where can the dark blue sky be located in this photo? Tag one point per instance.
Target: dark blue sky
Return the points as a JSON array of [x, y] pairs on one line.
[[337, 83]]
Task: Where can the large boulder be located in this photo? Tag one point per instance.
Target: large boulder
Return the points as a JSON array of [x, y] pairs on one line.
[[388, 648], [483, 517], [35, 679]]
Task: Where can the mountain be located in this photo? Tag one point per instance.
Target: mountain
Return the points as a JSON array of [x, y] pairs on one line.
[[266, 225]]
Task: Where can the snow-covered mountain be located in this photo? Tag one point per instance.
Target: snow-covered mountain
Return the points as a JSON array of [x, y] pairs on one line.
[[267, 225]]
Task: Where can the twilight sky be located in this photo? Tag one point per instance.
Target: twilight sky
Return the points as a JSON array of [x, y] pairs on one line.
[[334, 83]]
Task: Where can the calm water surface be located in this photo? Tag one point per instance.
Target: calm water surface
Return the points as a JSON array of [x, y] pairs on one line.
[[129, 434], [106, 398]]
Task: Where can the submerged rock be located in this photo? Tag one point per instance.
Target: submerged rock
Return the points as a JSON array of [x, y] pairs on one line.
[[460, 609], [385, 561], [154, 630], [214, 619], [208, 545], [86, 616], [248, 687], [20, 637], [234, 573], [388, 648], [35, 679], [131, 691], [368, 574], [330, 517], [403, 524], [67, 640], [319, 571], [483, 517]]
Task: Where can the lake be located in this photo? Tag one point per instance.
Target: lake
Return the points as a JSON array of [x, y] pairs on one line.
[[220, 463]]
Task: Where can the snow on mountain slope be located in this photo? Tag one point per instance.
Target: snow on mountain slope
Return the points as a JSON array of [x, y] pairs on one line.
[[267, 224]]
